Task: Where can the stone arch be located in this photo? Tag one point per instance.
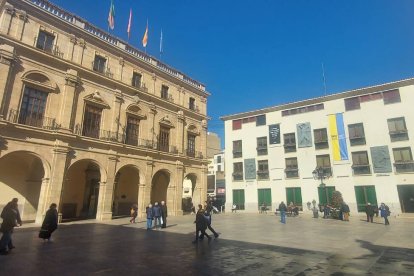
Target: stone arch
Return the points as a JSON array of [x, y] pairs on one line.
[[191, 192], [81, 188], [22, 174], [127, 180], [39, 79], [159, 185]]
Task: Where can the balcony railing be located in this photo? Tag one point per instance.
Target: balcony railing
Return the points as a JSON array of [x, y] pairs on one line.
[[399, 135], [263, 174], [238, 176], [194, 154], [35, 120], [237, 153], [140, 85], [292, 172], [361, 169], [404, 166], [54, 50], [103, 70]]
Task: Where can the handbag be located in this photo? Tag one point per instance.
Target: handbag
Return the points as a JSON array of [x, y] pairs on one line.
[[44, 234]]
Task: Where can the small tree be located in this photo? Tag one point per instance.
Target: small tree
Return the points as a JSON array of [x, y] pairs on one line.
[[336, 203]]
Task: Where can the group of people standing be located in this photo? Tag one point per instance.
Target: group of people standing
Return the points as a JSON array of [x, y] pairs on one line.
[[158, 214], [11, 218], [371, 210]]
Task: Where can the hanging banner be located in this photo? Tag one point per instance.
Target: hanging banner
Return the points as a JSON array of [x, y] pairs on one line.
[[250, 168], [274, 134], [304, 133], [381, 161], [338, 139]]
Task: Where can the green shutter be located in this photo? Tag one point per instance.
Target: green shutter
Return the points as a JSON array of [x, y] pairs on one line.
[[371, 195], [298, 196], [325, 195], [289, 195], [238, 199], [360, 198], [264, 195]]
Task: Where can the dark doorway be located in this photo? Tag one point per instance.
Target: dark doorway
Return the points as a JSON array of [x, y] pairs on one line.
[[406, 195]]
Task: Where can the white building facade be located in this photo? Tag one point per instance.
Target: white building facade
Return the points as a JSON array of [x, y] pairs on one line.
[[361, 139]]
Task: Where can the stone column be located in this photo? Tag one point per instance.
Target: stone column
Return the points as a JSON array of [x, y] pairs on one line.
[[145, 188], [22, 23], [57, 177], [68, 104], [180, 132], [203, 138], [178, 197], [106, 191], [7, 59], [203, 180], [2, 3], [115, 126], [151, 122], [121, 71], [71, 46], [42, 205]]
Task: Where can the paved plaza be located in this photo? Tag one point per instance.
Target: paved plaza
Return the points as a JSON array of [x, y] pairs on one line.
[[249, 244]]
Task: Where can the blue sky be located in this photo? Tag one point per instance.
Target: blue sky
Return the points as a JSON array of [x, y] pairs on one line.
[[255, 54]]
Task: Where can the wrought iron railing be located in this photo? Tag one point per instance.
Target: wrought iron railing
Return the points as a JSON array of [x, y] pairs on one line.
[[32, 119], [102, 69]]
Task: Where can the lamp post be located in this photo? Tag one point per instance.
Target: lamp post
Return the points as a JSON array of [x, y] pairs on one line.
[[320, 174]]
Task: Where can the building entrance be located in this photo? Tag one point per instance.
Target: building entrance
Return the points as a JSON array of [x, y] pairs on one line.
[[406, 195]]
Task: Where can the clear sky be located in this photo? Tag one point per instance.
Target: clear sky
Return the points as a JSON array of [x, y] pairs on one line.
[[255, 54]]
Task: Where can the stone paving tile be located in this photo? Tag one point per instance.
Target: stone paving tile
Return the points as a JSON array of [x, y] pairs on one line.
[[248, 245]]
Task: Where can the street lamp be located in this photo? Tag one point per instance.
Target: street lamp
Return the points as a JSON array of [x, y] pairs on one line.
[[320, 174]]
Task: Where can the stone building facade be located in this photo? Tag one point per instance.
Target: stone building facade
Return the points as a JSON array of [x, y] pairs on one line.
[[91, 123]]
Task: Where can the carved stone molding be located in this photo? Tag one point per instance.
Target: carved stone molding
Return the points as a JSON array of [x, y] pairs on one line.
[[7, 55], [180, 115], [71, 78], [121, 61]]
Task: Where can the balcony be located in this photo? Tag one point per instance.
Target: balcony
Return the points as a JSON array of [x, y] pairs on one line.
[[321, 144], [292, 172], [357, 140], [52, 49], [263, 174], [237, 153], [139, 84], [399, 135], [404, 166], [106, 71], [261, 150], [237, 176], [290, 147], [34, 120], [194, 154], [194, 108], [361, 169]]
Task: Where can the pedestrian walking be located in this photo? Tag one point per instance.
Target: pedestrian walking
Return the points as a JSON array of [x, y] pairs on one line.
[[201, 224], [50, 223], [385, 212], [282, 210], [345, 211], [134, 213], [11, 217], [157, 216], [207, 214], [369, 210], [164, 214], [150, 216]]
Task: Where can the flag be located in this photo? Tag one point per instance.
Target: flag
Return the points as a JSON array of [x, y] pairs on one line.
[[111, 16], [161, 42], [145, 38], [129, 23], [338, 138]]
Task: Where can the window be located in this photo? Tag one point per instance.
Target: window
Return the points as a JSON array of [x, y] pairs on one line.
[[264, 196], [261, 120], [191, 104], [303, 109], [365, 195], [99, 64], [324, 162], [219, 159], [238, 171], [360, 163], [164, 139], [132, 131], [392, 96], [164, 92], [263, 169], [261, 146], [33, 107], [294, 195], [321, 138], [136, 79], [352, 104], [291, 167], [92, 121], [237, 124], [45, 41], [219, 168], [325, 194], [356, 134], [237, 149], [238, 199], [289, 142], [403, 160], [191, 145], [398, 129]]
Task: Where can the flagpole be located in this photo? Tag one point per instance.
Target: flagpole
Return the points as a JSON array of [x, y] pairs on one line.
[[161, 45]]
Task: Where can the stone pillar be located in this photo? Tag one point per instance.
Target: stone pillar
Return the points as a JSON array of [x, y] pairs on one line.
[[116, 112], [68, 104], [151, 122], [2, 3], [180, 132], [7, 59], [21, 24], [203, 138], [71, 46], [42, 205], [106, 191], [145, 188], [57, 178], [203, 184], [178, 193], [121, 70]]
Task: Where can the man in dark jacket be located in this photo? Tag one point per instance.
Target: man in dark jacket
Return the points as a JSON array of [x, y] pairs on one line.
[[11, 217], [164, 214], [157, 216], [201, 224], [207, 214], [282, 210], [50, 223], [369, 210]]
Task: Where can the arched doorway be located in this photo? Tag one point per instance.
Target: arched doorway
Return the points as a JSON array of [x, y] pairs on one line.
[[21, 176], [159, 186], [125, 190], [81, 191], [190, 193]]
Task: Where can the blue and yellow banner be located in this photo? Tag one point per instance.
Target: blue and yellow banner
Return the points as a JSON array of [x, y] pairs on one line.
[[338, 139]]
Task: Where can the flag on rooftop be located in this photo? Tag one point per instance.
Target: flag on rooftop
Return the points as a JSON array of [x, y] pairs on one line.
[[129, 23], [111, 16], [161, 43], [145, 38]]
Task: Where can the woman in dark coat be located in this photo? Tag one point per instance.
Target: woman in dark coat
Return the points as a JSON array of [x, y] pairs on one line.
[[201, 224], [11, 218], [50, 223]]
